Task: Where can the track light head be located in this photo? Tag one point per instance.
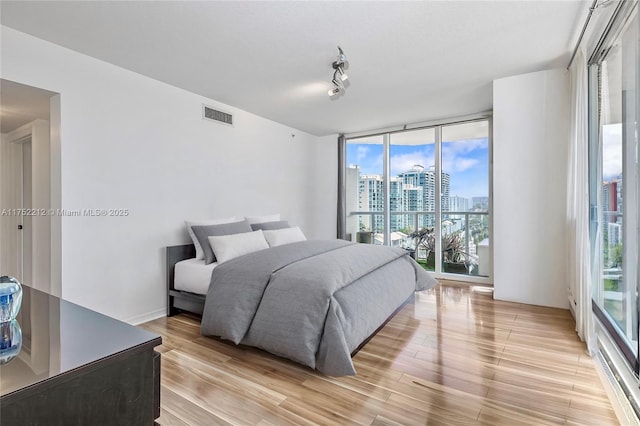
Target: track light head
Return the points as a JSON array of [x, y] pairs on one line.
[[334, 91], [343, 75], [338, 74]]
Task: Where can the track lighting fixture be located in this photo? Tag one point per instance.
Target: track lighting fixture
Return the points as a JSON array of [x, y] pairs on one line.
[[343, 75], [339, 76], [336, 90]]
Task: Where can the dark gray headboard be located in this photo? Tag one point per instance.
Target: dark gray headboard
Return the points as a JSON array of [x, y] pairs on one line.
[[174, 255]]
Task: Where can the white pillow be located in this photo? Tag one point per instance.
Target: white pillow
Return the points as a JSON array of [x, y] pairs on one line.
[[278, 237], [190, 223], [227, 247], [263, 219]]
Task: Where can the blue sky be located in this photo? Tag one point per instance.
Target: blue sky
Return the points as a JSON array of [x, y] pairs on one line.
[[466, 161]]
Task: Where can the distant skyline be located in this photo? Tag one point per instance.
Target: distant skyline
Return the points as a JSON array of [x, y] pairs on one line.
[[466, 162]]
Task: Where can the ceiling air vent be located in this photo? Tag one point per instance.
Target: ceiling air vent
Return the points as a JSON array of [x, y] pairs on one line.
[[215, 115]]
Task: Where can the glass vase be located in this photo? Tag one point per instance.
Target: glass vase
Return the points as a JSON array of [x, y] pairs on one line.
[[10, 341], [10, 298]]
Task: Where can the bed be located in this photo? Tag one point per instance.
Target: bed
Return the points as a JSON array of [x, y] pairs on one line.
[[314, 302]]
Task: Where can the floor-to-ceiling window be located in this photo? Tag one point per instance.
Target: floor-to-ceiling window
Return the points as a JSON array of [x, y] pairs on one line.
[[614, 81], [364, 179], [404, 188], [465, 198], [412, 192]]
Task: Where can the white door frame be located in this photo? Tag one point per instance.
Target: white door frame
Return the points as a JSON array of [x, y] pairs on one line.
[[12, 177], [39, 273]]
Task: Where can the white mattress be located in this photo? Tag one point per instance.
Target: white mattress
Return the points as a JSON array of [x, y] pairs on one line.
[[193, 275]]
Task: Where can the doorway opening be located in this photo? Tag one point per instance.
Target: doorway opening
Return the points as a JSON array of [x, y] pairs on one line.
[[30, 243]]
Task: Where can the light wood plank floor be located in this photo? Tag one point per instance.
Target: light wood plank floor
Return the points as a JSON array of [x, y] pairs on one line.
[[455, 357]]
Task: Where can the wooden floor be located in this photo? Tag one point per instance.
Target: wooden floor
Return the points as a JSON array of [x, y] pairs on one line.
[[455, 357]]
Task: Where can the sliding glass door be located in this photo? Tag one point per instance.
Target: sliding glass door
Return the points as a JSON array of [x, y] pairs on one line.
[[614, 187], [465, 198], [426, 190]]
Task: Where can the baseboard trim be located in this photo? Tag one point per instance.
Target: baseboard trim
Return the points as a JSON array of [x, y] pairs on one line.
[[149, 316]]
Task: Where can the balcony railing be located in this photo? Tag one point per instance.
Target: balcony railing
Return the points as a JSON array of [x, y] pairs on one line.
[[472, 226]]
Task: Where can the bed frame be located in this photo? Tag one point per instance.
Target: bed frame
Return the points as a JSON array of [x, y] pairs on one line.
[[177, 300], [182, 301]]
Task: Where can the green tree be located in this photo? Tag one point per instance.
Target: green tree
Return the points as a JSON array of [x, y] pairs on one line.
[[616, 255]]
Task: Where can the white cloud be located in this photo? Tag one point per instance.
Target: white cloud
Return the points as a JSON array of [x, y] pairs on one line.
[[453, 154], [403, 162], [611, 151], [464, 146], [457, 157], [458, 164]]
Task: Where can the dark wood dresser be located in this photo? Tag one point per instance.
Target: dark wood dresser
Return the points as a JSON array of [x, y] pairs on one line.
[[79, 367]]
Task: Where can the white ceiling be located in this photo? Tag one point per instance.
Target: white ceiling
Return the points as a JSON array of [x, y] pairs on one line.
[[20, 104], [408, 61]]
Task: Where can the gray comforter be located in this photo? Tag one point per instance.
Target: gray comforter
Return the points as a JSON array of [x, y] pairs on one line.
[[313, 302]]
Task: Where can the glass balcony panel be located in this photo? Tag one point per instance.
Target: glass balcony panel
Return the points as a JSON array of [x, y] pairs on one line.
[[421, 242]]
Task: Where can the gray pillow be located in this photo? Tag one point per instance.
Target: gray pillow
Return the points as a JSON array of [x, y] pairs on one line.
[[270, 226], [203, 233]]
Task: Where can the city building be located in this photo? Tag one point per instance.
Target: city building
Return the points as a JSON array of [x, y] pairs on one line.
[[480, 203], [372, 200], [458, 204], [423, 178]]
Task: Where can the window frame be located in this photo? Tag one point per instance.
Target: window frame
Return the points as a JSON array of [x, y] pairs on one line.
[[344, 139]]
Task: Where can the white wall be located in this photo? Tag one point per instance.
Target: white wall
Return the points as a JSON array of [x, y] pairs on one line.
[[41, 199], [530, 157], [55, 286], [130, 142], [3, 221], [324, 191]]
